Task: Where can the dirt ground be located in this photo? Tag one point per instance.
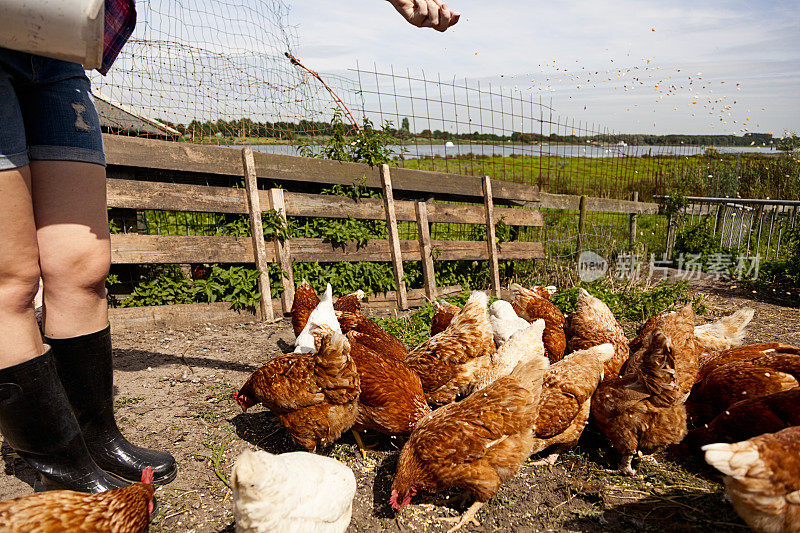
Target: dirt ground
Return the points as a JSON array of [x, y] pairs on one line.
[[174, 392]]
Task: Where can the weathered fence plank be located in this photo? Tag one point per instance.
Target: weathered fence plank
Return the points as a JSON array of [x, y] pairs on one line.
[[491, 238], [608, 205], [133, 248], [132, 194], [282, 252], [149, 153], [394, 237], [257, 232], [425, 249], [581, 225]]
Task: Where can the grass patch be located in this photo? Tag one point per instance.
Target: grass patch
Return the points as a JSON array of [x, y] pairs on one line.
[[636, 303], [632, 303], [125, 401]]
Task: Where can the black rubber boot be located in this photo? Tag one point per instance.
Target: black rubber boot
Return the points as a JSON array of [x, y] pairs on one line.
[[37, 421], [86, 370]]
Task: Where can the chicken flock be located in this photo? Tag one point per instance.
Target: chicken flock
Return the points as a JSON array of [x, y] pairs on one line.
[[498, 384]]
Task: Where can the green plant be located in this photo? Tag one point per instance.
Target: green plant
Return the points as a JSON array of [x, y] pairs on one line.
[[163, 285], [632, 304], [369, 145], [699, 240], [785, 272]]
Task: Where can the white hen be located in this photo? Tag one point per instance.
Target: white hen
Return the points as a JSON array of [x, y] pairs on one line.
[[295, 492], [505, 322], [523, 346], [323, 314]]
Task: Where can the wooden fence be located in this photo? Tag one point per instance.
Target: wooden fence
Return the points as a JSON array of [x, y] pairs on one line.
[[131, 159]]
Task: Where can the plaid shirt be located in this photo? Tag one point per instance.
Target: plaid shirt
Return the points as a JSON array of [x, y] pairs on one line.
[[119, 23]]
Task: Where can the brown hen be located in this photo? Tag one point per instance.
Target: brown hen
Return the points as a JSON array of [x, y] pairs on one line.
[[593, 324], [475, 444], [711, 361], [566, 399], [314, 395], [762, 479], [734, 382], [305, 300], [350, 303], [372, 335], [643, 410], [532, 304], [391, 399], [450, 363], [125, 510], [443, 313], [749, 418]]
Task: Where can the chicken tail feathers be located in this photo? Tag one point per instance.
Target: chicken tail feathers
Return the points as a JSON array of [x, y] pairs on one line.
[[732, 459], [726, 332]]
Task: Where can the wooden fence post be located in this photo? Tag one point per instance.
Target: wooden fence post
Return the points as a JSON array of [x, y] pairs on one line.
[[581, 224], [425, 250], [282, 253], [632, 240], [394, 236], [491, 237], [257, 231]]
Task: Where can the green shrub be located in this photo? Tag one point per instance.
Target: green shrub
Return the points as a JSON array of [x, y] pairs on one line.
[[632, 304]]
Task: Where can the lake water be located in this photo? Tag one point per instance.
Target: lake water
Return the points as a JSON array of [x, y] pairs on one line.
[[560, 150]]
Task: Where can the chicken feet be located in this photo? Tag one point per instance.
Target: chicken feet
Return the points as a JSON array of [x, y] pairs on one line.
[[625, 468], [468, 516], [550, 460], [360, 443]]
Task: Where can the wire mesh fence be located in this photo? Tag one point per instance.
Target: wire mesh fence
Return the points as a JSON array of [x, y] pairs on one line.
[[225, 73]]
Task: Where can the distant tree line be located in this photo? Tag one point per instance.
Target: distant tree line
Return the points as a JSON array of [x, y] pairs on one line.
[[246, 127]]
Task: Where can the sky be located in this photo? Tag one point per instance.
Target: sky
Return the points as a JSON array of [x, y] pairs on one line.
[[709, 67]]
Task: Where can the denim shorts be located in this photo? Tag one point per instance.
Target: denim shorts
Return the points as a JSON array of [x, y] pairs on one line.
[[46, 112]]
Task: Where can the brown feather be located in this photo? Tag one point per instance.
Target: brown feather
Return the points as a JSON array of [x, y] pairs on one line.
[[451, 362], [709, 362], [443, 313], [731, 383], [748, 418], [478, 443], [763, 481], [305, 300], [350, 303], [391, 399], [315, 395], [644, 410], [372, 335], [592, 324], [123, 510], [531, 305]]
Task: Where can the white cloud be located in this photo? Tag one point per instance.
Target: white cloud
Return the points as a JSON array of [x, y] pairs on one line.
[[750, 43]]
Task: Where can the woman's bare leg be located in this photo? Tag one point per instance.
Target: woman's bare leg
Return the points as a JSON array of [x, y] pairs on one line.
[[69, 201], [19, 269]]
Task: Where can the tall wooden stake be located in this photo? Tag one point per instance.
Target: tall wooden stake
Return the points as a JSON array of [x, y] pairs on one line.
[[634, 216], [282, 253], [581, 224], [257, 231], [425, 249], [491, 237], [394, 236]]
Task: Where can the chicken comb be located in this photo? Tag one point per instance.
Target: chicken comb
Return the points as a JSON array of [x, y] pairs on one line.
[[147, 476]]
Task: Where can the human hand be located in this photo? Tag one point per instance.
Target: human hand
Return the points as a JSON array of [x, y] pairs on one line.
[[427, 13]]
